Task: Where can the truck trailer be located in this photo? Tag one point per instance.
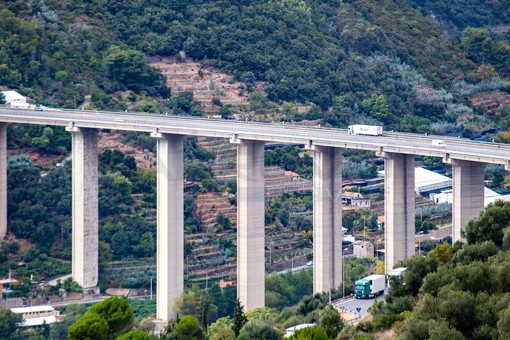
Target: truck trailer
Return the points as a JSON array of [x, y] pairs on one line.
[[369, 130], [369, 286]]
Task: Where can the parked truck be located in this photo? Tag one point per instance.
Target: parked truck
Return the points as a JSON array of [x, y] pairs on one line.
[[369, 286], [370, 130]]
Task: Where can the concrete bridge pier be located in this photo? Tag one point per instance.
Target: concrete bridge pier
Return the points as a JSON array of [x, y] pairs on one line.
[[3, 180], [170, 223], [327, 218], [399, 208], [468, 194], [250, 223], [85, 206]]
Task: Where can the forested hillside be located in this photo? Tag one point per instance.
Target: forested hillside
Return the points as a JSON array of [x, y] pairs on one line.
[[357, 60], [466, 13]]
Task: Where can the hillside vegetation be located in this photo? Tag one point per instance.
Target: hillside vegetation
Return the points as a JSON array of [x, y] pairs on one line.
[[357, 60]]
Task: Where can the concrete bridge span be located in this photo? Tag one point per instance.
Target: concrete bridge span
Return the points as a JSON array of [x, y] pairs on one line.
[[398, 150]]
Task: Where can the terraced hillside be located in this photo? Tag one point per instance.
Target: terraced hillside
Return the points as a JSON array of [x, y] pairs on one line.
[[205, 83]]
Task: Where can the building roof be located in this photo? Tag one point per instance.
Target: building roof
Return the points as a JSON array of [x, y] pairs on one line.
[[397, 271], [291, 330], [426, 180], [224, 284], [421, 237], [32, 322], [32, 309], [364, 243], [353, 195], [291, 174], [490, 196], [2, 281], [12, 96], [348, 238]]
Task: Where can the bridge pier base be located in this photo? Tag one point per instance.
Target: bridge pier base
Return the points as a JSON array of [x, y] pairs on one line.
[[3, 180], [250, 224], [468, 194], [85, 206], [399, 207], [327, 218], [170, 223]]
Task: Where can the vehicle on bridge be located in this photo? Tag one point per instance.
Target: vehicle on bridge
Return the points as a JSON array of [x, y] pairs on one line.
[[369, 130], [438, 142], [369, 286]]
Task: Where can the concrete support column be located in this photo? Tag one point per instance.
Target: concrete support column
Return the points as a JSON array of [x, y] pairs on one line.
[[3, 180], [85, 206], [468, 194], [327, 218], [399, 207], [250, 224], [170, 223]]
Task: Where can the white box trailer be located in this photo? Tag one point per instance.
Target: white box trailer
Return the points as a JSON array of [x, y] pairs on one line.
[[369, 130], [370, 286]]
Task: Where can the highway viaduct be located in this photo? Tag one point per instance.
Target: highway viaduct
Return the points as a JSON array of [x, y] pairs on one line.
[[467, 158]]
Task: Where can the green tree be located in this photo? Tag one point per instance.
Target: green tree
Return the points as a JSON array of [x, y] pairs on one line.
[[503, 324], [89, 326], [239, 318], [128, 67], [147, 246], [417, 267], [477, 42], [443, 252], [376, 106], [224, 333], [223, 220], [490, 225], [189, 303], [118, 314], [72, 286], [43, 141], [315, 333], [258, 330], [134, 335], [221, 329], [8, 322], [188, 328], [330, 321]]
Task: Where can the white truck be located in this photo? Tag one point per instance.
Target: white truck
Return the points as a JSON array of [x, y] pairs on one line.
[[370, 130], [369, 286]]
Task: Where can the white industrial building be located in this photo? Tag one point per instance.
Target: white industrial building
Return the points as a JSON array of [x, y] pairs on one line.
[[14, 99], [446, 196], [426, 181], [439, 187], [37, 315]]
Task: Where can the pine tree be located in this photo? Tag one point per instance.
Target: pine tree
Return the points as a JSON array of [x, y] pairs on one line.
[[239, 318], [204, 317]]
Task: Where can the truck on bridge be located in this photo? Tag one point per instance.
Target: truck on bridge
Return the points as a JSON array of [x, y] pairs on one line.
[[369, 286], [370, 130]]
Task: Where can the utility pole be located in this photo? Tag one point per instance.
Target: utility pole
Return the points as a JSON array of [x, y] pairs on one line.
[[187, 267], [330, 292], [271, 252], [364, 230], [343, 276], [151, 289]]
